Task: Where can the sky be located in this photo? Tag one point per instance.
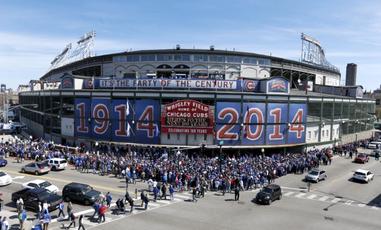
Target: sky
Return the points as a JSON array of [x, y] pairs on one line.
[[32, 33]]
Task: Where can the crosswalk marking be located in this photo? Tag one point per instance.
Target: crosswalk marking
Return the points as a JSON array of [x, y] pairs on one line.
[[182, 196], [300, 195], [335, 200], [153, 204], [289, 193], [324, 198], [348, 202], [311, 196], [163, 201], [375, 207], [361, 205]]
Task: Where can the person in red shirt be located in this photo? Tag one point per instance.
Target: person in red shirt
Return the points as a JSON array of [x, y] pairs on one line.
[[102, 212]]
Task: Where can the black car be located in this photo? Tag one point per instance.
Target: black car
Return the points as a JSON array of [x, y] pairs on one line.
[[32, 198], [80, 193], [268, 194]]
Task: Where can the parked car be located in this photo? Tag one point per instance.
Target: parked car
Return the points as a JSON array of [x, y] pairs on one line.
[[268, 194], [81, 193], [3, 162], [316, 175], [57, 163], [37, 168], [32, 198], [5, 179], [374, 145], [363, 175], [361, 158], [41, 184]]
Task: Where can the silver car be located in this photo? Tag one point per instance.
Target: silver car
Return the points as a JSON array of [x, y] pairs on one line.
[[316, 175], [36, 168]]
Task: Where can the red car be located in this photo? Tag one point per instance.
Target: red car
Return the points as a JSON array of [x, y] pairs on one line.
[[361, 158]]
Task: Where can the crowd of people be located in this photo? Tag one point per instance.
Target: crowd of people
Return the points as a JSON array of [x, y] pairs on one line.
[[180, 170], [166, 171]]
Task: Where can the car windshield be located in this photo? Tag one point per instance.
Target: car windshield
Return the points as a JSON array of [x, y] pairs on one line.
[[63, 162], [2, 174], [314, 173], [43, 195], [45, 184], [361, 155], [267, 190], [87, 189], [42, 164], [360, 173]]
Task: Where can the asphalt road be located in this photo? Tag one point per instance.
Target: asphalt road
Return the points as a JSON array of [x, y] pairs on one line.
[[337, 203]]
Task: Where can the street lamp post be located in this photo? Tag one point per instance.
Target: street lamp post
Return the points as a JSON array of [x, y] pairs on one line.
[[220, 156]]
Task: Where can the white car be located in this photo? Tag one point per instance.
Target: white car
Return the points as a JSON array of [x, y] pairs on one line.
[[316, 175], [57, 163], [41, 184], [374, 145], [5, 179], [363, 175]]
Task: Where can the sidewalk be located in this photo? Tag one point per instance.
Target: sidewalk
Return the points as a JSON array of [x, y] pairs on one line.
[[13, 220]]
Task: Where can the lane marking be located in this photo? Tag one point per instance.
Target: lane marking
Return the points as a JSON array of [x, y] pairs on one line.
[[296, 189], [375, 207], [324, 198], [311, 196], [289, 193], [335, 200], [361, 205], [18, 177], [300, 195]]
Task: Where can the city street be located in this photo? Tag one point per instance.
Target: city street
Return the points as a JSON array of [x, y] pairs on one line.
[[336, 203]]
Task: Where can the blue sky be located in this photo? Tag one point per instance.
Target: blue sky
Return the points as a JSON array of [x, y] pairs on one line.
[[32, 33]]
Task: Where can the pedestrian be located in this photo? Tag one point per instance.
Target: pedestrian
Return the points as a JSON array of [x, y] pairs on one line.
[[131, 203], [146, 200], [96, 206], [80, 224], [69, 209], [164, 191], [155, 192], [127, 182], [1, 203], [46, 220], [236, 193], [72, 220], [102, 213], [22, 217], [39, 213], [108, 199], [5, 224], [194, 192], [171, 192], [61, 207]]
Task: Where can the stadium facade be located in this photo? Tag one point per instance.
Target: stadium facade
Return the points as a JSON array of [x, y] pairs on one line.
[[194, 97]]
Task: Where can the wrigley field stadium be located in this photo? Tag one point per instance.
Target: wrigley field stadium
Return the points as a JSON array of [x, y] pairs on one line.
[[207, 99]]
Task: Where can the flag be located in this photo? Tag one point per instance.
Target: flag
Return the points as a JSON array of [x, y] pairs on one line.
[[128, 129], [127, 108], [157, 132]]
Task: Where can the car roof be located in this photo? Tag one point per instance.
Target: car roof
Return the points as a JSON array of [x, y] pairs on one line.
[[75, 184], [37, 181], [362, 171], [39, 190], [272, 186]]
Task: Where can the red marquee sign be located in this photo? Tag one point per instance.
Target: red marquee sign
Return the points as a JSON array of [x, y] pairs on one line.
[[187, 116]]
